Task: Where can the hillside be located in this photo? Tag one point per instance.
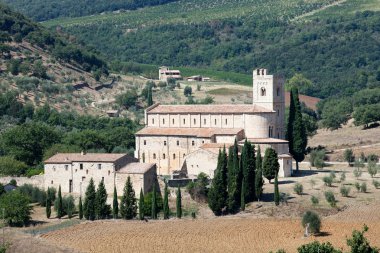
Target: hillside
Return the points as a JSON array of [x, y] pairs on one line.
[[41, 10], [239, 35]]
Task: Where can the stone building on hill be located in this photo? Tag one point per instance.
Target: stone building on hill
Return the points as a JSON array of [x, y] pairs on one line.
[[188, 137], [73, 172]]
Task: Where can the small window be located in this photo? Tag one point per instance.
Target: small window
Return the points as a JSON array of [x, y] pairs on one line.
[[226, 121], [99, 166], [109, 172], [164, 143], [81, 166], [53, 168], [195, 121], [184, 121], [203, 142], [144, 142], [173, 121], [163, 121], [52, 182], [177, 143], [278, 91], [66, 167], [87, 172], [143, 157], [204, 121], [154, 155], [184, 155], [163, 156], [263, 91], [83, 178], [173, 156], [215, 122], [152, 121], [278, 113], [102, 179], [192, 143]]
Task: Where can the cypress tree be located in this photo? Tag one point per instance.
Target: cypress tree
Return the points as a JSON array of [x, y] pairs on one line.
[[234, 179], [128, 208], [243, 196], [101, 207], [141, 205], [150, 96], [289, 126], [89, 201], [80, 208], [270, 164], [166, 203], [259, 182], [217, 195], [276, 191], [59, 204], [248, 163], [48, 207], [115, 204], [179, 203], [154, 203], [299, 135]]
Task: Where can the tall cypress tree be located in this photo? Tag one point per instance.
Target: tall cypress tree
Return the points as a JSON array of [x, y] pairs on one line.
[[115, 204], [259, 182], [234, 179], [128, 208], [101, 207], [80, 208], [248, 163], [291, 117], [179, 203], [217, 195], [166, 202], [154, 203], [89, 201], [150, 96], [276, 191], [270, 164], [59, 204], [48, 207], [141, 205], [299, 135]]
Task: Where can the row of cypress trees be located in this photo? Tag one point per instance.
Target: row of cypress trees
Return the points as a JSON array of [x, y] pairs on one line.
[[95, 203], [239, 180]]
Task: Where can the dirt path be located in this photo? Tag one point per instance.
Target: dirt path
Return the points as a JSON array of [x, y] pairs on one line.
[[318, 10]]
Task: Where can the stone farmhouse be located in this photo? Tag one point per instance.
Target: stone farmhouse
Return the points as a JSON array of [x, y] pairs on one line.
[[164, 73], [73, 172], [185, 139]]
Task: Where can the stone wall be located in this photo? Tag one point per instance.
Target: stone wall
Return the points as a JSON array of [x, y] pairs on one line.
[[35, 180]]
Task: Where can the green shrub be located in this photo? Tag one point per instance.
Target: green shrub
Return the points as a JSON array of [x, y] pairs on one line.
[[313, 220], [363, 187], [298, 188], [148, 203], [16, 207], [372, 168], [345, 191], [11, 167], [328, 180], [332, 175], [330, 198], [317, 156], [68, 205], [34, 172], [317, 247], [357, 172], [376, 184], [314, 200], [357, 186], [343, 177], [35, 194]]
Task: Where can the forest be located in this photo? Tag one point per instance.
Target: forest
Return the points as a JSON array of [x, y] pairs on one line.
[[40, 10]]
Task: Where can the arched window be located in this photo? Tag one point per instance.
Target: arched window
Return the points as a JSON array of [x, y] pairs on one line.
[[154, 155], [163, 156], [215, 122], [192, 143], [204, 121], [173, 121], [163, 121], [143, 157], [164, 143], [226, 121], [177, 143], [173, 156], [184, 155], [195, 121], [263, 91], [184, 121], [144, 142], [152, 121]]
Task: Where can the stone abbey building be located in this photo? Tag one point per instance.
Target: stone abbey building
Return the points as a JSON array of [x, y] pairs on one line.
[[187, 138]]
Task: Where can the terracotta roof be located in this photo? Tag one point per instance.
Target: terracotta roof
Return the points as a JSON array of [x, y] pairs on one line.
[[136, 168], [265, 140], [310, 102], [212, 109], [197, 132], [78, 157], [215, 147]]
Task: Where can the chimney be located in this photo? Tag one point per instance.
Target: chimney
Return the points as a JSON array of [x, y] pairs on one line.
[[83, 152]]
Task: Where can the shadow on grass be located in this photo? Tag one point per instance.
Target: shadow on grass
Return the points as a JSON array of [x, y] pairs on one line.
[[323, 234]]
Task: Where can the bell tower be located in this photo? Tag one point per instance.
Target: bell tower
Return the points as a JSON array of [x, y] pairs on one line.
[[269, 92]]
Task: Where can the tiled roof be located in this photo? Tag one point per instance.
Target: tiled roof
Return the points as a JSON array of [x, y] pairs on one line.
[[212, 109], [136, 168], [215, 147], [197, 132], [78, 157], [266, 140]]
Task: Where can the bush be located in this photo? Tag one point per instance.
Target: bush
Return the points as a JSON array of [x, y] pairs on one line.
[[317, 155], [357, 186], [148, 203], [68, 205], [343, 177], [13, 182], [376, 184], [313, 220], [363, 187], [314, 200], [198, 189], [35, 194], [332, 175], [328, 180], [16, 207], [372, 168], [298, 188], [11, 167], [317, 247], [319, 163], [330, 198], [345, 191], [34, 172], [187, 91]]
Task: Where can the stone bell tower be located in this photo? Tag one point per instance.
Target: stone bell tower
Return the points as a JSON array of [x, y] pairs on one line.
[[269, 92]]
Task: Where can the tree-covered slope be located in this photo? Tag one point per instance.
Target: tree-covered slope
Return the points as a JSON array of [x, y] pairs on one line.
[[334, 47], [48, 9]]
